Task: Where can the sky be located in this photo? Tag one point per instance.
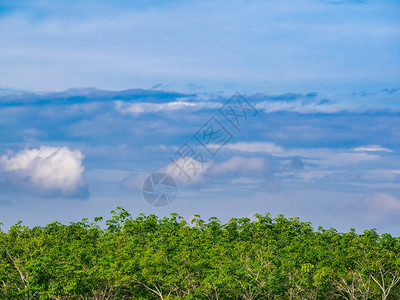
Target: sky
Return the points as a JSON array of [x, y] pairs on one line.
[[95, 96]]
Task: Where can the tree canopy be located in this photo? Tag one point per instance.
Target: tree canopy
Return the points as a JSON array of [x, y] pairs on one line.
[[147, 257]]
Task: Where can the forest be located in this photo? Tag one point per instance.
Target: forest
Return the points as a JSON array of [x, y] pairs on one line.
[[147, 257]]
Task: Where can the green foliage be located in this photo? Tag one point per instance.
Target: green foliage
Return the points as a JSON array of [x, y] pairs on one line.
[[151, 258]]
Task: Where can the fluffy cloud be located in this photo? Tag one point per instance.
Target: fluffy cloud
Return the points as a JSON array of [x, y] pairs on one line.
[[55, 171]]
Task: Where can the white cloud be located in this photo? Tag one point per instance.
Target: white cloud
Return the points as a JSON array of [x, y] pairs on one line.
[[148, 107], [46, 171], [255, 147], [181, 104], [187, 170], [372, 148]]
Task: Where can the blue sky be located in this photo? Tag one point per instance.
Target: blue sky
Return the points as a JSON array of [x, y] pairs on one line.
[[97, 95]]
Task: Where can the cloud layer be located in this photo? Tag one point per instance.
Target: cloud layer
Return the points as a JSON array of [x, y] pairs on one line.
[[296, 147]]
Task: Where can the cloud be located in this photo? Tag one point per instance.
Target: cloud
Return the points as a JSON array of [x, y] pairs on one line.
[[372, 148], [325, 156], [234, 169], [189, 172], [47, 171], [288, 102], [72, 96], [299, 106], [255, 147], [132, 183], [238, 166], [139, 108], [148, 107]]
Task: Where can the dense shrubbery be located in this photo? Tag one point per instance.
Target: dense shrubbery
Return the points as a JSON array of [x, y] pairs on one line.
[[151, 258]]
